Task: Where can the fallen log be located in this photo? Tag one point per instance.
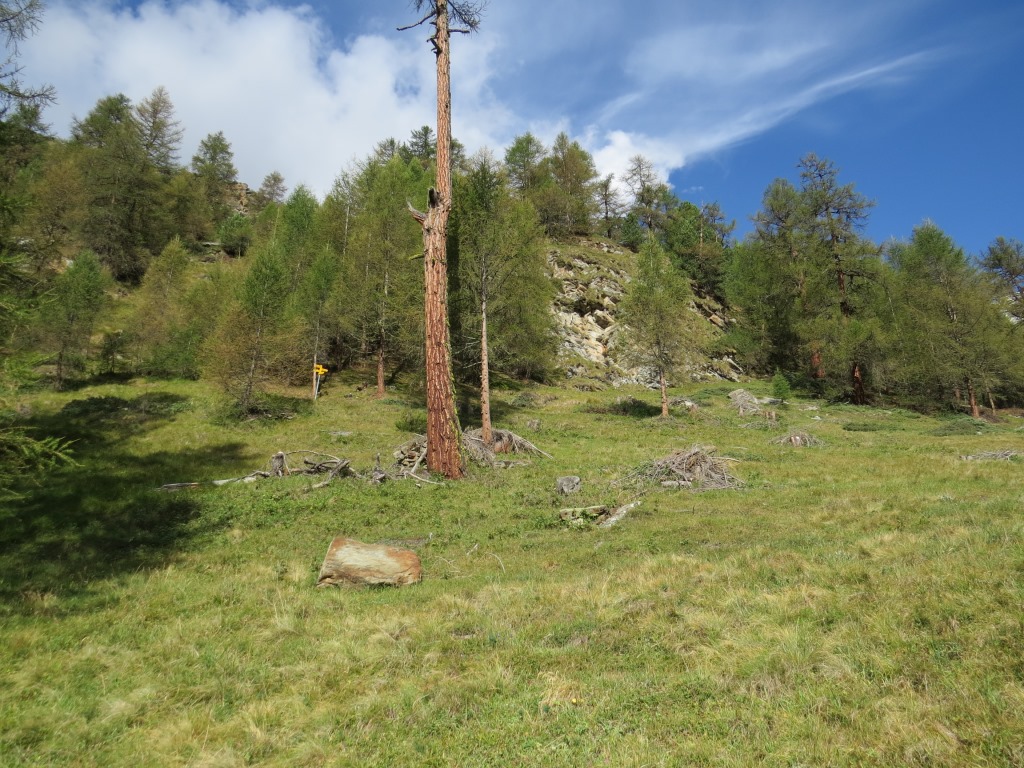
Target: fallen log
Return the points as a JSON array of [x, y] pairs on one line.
[[601, 515]]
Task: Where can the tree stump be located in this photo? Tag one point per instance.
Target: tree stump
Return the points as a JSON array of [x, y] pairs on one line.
[[352, 562]]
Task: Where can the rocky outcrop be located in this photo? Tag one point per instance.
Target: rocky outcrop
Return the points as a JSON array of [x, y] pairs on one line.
[[592, 278]]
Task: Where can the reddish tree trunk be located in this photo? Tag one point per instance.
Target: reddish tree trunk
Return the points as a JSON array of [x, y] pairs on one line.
[[485, 381], [973, 400], [443, 454], [817, 368], [857, 377]]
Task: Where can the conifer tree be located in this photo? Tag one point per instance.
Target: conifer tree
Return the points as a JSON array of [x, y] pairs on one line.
[[503, 281], [661, 332], [68, 318]]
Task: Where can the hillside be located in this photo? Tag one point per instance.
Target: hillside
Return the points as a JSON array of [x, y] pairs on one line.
[[826, 613]]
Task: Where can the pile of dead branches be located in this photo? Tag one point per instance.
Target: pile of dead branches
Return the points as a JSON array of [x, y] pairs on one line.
[[503, 442], [411, 455], [992, 456], [695, 467], [797, 440], [744, 402]]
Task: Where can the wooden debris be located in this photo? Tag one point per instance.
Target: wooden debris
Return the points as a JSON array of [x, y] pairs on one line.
[[602, 516], [332, 466], [410, 455], [992, 456], [744, 402], [696, 467], [798, 440], [504, 441]]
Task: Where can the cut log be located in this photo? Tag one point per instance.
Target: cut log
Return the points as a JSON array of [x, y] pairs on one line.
[[352, 562]]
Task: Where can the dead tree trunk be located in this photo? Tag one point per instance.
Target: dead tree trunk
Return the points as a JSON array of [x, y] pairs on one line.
[[443, 454]]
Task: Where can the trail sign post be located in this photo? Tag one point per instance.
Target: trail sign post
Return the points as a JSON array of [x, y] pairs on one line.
[[318, 372]]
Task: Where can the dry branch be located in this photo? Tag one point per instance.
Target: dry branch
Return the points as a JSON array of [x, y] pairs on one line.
[[331, 465]]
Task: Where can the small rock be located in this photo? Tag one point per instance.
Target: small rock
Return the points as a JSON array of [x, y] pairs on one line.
[[567, 485]]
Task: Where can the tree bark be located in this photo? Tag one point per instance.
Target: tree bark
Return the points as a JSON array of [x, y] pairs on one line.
[[973, 400], [664, 393], [857, 377], [380, 370], [443, 454], [485, 381]]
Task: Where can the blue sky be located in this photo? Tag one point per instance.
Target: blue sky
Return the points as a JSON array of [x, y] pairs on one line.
[[918, 102]]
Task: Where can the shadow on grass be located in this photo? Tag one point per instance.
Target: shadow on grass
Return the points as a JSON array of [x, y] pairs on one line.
[[627, 406], [102, 516]]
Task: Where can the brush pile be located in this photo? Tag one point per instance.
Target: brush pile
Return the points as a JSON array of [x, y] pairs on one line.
[[695, 467], [744, 402], [504, 442], [412, 454], [798, 440]]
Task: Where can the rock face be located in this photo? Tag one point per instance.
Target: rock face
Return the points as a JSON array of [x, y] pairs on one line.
[[592, 278], [352, 562]]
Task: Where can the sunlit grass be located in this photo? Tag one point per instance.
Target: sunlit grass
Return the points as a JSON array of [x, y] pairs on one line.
[[857, 603]]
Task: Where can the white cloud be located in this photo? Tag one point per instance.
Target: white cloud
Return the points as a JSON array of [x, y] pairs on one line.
[[264, 75], [290, 98]]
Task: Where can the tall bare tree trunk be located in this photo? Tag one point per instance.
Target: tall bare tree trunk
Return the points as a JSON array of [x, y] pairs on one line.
[[443, 454], [973, 400], [664, 393], [380, 371], [485, 380]]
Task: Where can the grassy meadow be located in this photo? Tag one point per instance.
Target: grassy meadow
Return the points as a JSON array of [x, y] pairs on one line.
[[858, 603]]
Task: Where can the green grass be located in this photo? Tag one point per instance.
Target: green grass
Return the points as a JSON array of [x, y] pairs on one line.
[[859, 604]]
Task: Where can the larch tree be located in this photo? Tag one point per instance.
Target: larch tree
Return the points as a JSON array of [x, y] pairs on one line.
[[1004, 261], [18, 20], [661, 330], [159, 131], [835, 213], [504, 285], [214, 164], [443, 452]]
